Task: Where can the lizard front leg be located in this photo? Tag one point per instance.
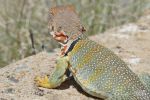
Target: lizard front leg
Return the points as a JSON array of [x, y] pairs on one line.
[[57, 77]]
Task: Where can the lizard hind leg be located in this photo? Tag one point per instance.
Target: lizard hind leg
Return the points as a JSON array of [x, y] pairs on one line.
[[57, 77]]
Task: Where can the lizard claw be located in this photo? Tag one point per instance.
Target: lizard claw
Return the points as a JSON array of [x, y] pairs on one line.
[[42, 81]]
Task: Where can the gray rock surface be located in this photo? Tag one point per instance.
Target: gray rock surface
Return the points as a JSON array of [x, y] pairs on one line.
[[131, 42], [17, 80]]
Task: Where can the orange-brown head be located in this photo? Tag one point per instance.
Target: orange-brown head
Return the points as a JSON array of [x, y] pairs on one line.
[[64, 24]]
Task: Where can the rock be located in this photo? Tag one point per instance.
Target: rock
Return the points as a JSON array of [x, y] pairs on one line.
[[17, 81], [131, 42]]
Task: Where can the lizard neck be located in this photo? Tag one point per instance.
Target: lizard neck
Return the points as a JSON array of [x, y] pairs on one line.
[[71, 46], [65, 49]]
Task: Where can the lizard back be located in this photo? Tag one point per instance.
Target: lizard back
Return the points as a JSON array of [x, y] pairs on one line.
[[103, 74]]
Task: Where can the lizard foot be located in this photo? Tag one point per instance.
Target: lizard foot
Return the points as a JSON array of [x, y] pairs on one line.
[[42, 81]]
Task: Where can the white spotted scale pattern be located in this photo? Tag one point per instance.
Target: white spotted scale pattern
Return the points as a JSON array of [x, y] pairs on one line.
[[99, 71]]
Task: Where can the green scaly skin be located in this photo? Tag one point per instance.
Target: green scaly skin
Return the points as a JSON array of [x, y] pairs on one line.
[[100, 73]]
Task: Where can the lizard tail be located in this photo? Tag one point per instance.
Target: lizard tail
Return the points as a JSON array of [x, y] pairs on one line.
[[145, 78]]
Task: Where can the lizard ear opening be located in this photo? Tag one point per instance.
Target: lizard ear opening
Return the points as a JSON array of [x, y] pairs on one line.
[[82, 29]]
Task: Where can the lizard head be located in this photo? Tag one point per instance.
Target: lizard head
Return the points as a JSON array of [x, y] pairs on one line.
[[64, 24]]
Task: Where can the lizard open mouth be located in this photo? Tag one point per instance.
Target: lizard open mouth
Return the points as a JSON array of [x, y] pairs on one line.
[[60, 36]]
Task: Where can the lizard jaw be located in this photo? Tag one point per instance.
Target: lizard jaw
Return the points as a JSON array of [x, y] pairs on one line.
[[63, 40], [61, 37]]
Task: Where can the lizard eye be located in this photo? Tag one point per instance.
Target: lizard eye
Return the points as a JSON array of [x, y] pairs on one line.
[[59, 29], [52, 28]]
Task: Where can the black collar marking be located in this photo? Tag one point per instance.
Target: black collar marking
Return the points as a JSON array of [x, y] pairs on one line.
[[71, 46]]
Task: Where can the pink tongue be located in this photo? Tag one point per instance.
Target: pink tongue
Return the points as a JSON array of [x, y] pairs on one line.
[[59, 34]]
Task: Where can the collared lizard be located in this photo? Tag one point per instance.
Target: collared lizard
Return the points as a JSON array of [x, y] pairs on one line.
[[95, 68]]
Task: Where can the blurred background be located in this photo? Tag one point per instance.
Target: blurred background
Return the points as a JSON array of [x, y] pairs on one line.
[[22, 19]]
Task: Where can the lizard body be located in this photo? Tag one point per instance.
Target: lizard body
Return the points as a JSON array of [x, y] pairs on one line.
[[94, 67], [103, 74]]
